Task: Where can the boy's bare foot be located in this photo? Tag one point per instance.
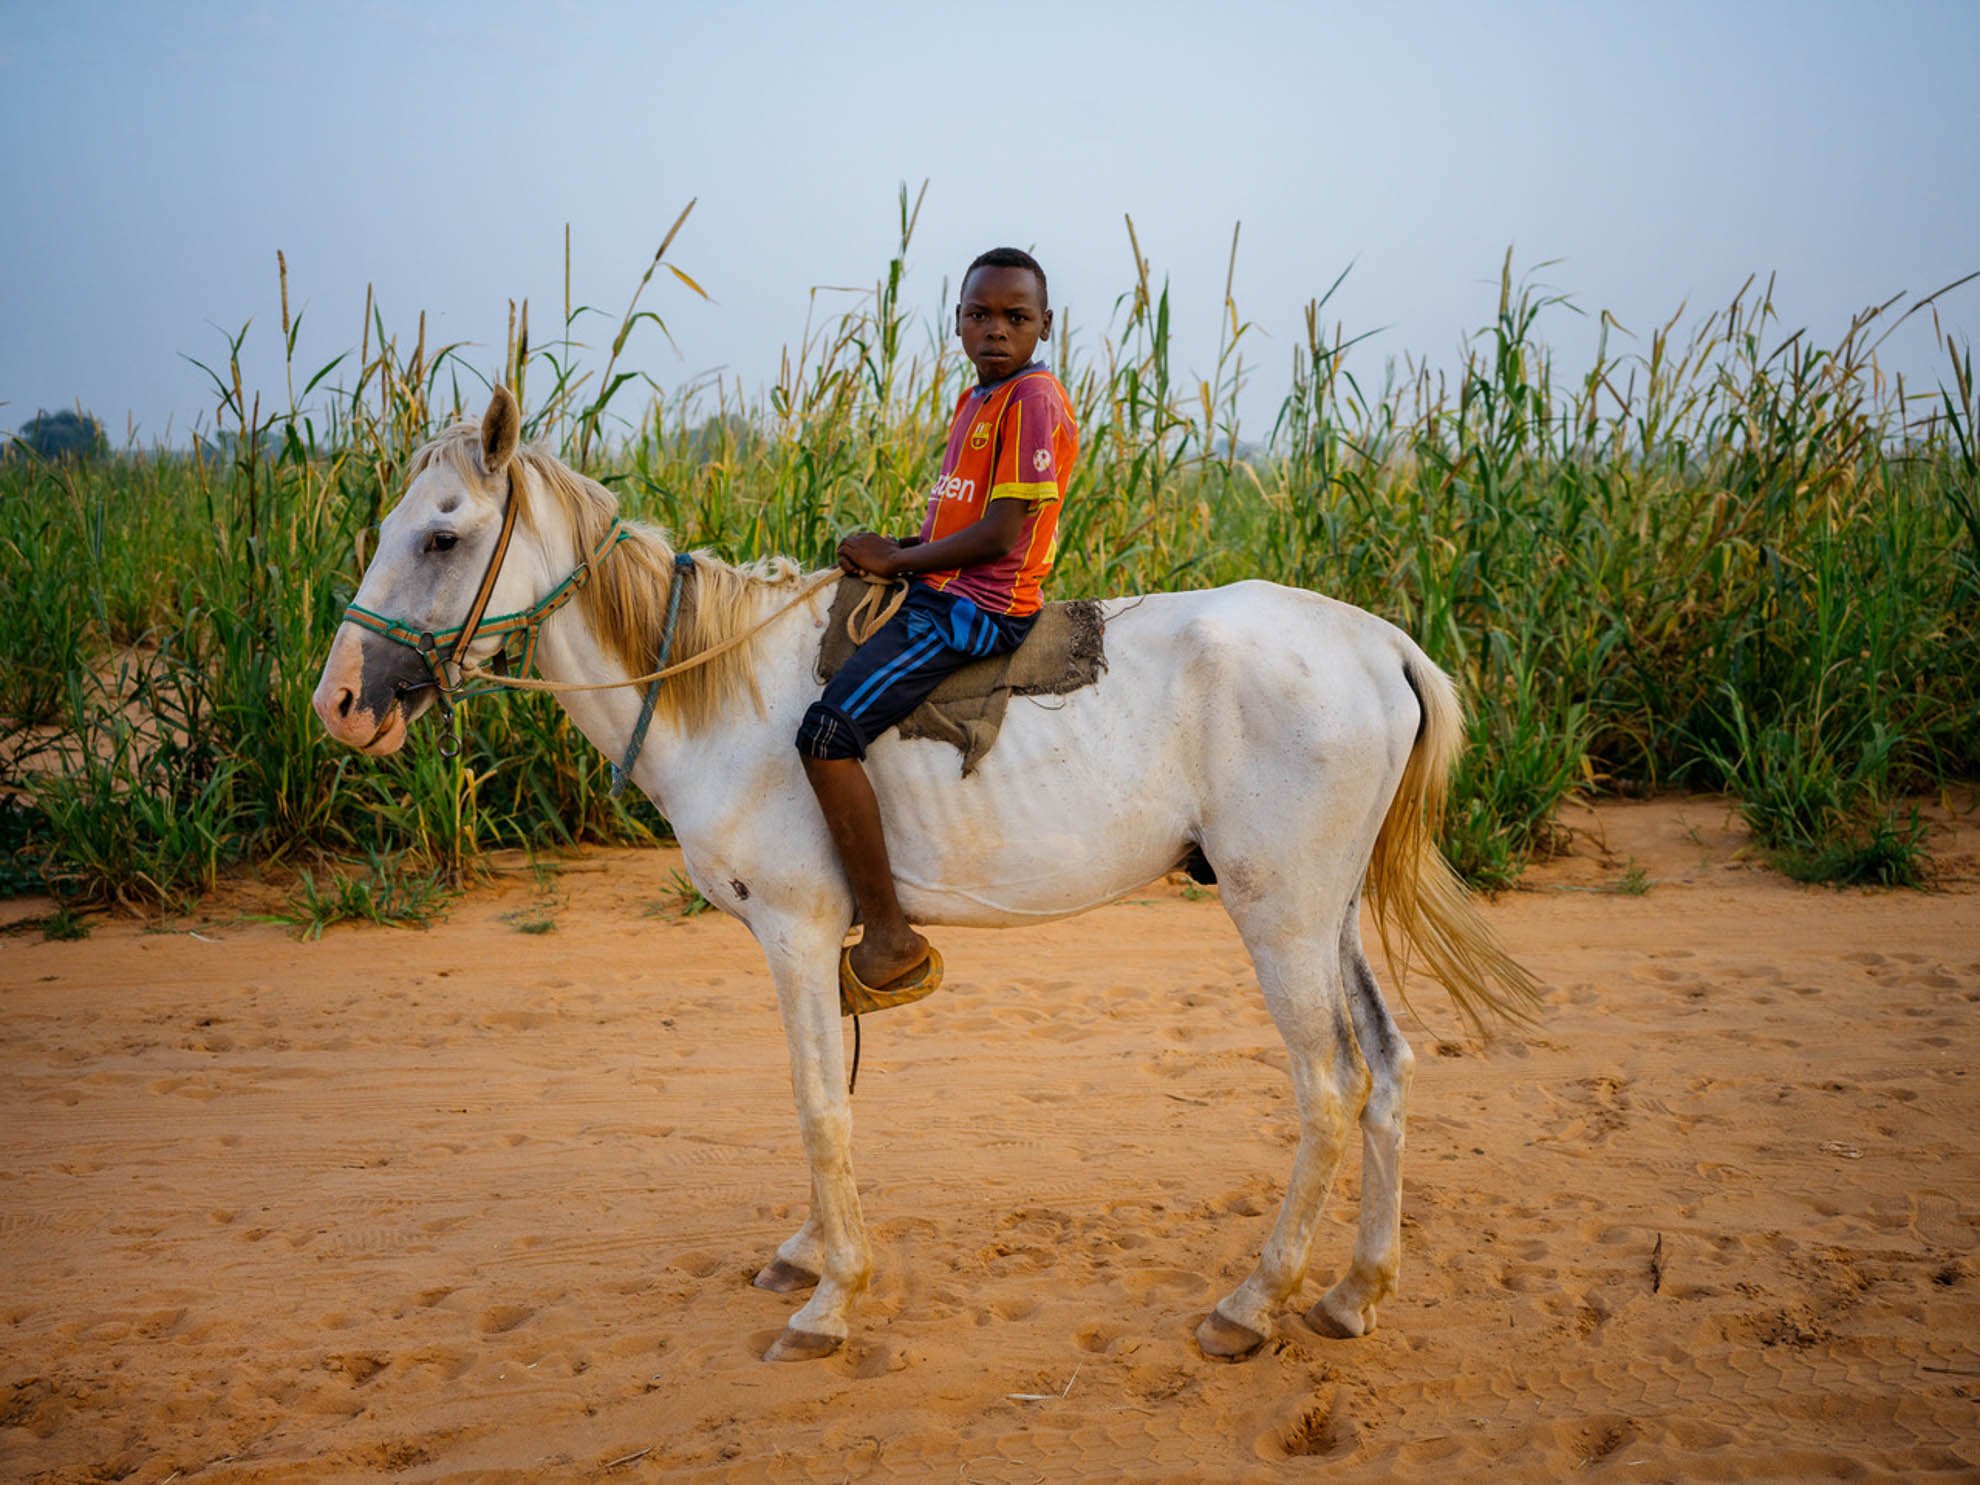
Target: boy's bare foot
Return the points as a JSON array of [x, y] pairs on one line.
[[879, 963]]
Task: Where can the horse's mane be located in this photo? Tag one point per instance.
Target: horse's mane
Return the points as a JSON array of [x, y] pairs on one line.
[[626, 598]]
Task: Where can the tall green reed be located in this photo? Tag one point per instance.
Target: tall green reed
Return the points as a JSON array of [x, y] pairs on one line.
[[1719, 556]]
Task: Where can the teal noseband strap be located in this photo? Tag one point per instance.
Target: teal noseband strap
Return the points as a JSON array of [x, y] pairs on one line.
[[445, 650]]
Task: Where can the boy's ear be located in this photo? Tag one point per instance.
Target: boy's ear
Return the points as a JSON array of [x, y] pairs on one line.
[[1045, 325]]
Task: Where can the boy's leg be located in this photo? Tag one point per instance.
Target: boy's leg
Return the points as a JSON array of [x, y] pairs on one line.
[[884, 680], [888, 947]]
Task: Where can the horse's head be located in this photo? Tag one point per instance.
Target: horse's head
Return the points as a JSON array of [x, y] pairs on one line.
[[428, 576]]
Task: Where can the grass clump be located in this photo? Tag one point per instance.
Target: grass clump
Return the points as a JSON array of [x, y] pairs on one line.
[[1635, 880], [1813, 792], [1885, 850], [389, 892], [686, 901], [65, 925]]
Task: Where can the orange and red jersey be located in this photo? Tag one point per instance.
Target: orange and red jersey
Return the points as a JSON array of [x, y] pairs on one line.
[[1013, 440]]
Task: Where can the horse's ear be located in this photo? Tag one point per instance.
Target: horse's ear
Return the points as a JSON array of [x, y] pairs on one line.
[[501, 427]]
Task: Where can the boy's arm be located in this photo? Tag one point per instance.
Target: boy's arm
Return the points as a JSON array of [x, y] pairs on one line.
[[985, 541]]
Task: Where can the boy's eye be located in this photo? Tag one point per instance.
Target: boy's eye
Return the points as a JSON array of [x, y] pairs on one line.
[[441, 541]]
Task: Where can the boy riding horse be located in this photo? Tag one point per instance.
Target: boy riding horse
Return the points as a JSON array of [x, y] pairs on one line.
[[974, 576]]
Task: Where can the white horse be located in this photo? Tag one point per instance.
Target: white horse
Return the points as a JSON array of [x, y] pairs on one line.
[[1303, 745]]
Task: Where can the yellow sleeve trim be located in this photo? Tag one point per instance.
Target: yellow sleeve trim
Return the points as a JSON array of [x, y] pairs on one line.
[[1048, 490]]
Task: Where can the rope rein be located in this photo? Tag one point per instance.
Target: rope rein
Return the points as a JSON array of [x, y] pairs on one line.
[[875, 608]]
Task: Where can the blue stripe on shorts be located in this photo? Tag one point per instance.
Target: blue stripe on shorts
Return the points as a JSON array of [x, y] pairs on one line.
[[892, 673]]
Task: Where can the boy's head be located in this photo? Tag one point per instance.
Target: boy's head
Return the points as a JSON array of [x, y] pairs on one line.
[[1002, 312]]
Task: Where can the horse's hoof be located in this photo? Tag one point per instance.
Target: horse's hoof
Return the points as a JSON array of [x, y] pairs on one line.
[[802, 1345], [780, 1277], [1326, 1323], [1226, 1339]]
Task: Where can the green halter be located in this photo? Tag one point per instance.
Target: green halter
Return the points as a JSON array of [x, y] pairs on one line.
[[454, 642]]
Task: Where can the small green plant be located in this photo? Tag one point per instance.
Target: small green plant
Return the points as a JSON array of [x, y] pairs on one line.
[[387, 892], [1634, 882], [541, 915], [65, 924], [687, 901]]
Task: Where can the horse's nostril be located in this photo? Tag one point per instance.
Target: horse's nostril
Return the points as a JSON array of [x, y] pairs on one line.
[[346, 699]]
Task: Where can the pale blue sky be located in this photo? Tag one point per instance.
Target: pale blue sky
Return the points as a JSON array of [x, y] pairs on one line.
[[157, 155]]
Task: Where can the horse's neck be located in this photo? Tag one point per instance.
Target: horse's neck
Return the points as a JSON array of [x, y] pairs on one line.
[[676, 766]]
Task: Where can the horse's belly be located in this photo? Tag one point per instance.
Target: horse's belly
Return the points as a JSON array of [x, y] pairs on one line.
[[1055, 876], [1059, 818]]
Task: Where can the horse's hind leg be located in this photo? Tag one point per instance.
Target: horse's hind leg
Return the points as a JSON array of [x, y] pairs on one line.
[[1300, 975], [1348, 1309]]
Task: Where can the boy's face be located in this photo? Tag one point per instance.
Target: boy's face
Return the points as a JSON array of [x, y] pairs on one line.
[[1000, 320]]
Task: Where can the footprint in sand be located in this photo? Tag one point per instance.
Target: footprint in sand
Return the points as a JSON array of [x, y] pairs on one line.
[[879, 1361], [1097, 1340], [1936, 1218], [358, 1367], [1144, 1285], [1011, 1307], [501, 1319], [701, 1264], [1319, 1428]]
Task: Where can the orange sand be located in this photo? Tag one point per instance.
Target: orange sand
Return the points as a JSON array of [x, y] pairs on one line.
[[477, 1205]]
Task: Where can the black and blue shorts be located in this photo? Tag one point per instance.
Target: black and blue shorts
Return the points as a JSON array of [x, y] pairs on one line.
[[892, 673]]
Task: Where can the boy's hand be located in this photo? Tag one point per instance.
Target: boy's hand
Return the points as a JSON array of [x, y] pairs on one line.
[[987, 540], [869, 552]]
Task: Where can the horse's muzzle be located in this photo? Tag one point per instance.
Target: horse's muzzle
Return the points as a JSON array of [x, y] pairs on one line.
[[370, 693]]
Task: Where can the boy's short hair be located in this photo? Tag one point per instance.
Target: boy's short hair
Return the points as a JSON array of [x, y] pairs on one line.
[[1010, 257]]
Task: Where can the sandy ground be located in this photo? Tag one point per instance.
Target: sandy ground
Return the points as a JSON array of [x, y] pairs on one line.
[[475, 1204]]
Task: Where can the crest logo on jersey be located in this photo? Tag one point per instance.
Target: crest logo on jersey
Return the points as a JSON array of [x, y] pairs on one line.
[[1042, 460], [979, 435]]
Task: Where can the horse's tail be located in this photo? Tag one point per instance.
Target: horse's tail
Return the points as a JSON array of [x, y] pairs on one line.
[[1416, 896]]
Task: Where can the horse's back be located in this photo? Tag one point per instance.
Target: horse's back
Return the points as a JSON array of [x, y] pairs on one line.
[[1252, 697], [1262, 643]]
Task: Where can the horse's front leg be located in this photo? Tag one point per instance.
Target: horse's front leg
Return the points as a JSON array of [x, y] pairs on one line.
[[797, 1262], [832, 1243]]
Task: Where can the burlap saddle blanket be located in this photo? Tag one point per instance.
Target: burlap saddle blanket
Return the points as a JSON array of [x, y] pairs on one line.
[[1065, 650]]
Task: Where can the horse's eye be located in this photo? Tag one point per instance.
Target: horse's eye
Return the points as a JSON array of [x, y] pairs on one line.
[[441, 541]]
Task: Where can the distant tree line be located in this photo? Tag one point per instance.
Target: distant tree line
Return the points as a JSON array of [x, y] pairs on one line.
[[79, 436], [58, 435]]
